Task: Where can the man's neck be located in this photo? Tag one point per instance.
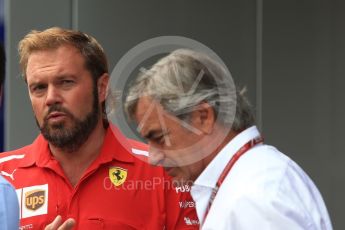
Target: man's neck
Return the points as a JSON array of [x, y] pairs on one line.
[[75, 163], [226, 139]]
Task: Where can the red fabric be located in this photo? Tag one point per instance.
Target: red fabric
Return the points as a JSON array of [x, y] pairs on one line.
[[146, 199]]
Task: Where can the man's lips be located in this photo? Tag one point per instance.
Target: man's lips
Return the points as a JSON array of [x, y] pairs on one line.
[[55, 115]]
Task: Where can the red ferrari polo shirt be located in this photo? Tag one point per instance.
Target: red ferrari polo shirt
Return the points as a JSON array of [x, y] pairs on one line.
[[117, 191]]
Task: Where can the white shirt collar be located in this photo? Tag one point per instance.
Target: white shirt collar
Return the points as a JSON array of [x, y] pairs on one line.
[[211, 173]]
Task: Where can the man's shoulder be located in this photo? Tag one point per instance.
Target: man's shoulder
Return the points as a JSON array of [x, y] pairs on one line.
[[271, 169], [139, 149], [13, 158]]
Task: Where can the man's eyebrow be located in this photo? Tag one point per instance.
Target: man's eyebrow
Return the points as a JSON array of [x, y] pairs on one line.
[[64, 76], [35, 83]]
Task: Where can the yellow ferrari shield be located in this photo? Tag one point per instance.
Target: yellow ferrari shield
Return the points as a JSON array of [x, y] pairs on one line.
[[117, 175]]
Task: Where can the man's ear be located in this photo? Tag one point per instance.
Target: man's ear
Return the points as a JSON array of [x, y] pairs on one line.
[[204, 118], [102, 85]]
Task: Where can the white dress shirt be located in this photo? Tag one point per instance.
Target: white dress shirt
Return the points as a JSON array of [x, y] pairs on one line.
[[264, 190]]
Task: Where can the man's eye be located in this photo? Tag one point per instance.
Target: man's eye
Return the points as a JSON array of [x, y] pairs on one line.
[[159, 139], [67, 82], [38, 88]]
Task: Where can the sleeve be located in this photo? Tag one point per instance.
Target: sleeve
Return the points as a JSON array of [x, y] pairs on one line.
[[180, 207], [9, 210]]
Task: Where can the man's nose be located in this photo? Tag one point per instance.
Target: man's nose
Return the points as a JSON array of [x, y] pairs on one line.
[[53, 96], [156, 156]]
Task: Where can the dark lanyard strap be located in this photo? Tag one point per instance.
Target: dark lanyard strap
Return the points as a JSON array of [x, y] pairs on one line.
[[228, 167]]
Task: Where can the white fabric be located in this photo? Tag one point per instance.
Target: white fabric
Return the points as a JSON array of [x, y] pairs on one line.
[[140, 152], [264, 190]]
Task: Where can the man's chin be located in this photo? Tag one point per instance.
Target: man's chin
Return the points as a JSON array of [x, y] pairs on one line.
[[54, 130], [178, 178]]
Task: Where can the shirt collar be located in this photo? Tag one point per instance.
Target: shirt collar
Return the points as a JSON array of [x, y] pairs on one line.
[[36, 152], [115, 147], [211, 173]]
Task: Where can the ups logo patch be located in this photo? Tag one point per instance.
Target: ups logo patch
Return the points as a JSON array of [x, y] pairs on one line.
[[34, 199]]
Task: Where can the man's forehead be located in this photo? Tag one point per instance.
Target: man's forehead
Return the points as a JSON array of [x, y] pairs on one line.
[[148, 107], [50, 59], [149, 114]]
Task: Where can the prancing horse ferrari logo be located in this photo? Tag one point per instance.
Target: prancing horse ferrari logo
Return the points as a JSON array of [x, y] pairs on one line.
[[117, 175]]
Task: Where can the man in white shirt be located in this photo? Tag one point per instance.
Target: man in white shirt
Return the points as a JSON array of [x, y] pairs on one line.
[[202, 131]]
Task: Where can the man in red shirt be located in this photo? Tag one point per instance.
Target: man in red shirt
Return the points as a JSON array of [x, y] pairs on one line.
[[81, 172]]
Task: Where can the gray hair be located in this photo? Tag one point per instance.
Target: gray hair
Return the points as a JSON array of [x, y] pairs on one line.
[[184, 79]]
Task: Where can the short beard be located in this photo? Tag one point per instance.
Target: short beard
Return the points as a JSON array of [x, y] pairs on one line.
[[71, 139]]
